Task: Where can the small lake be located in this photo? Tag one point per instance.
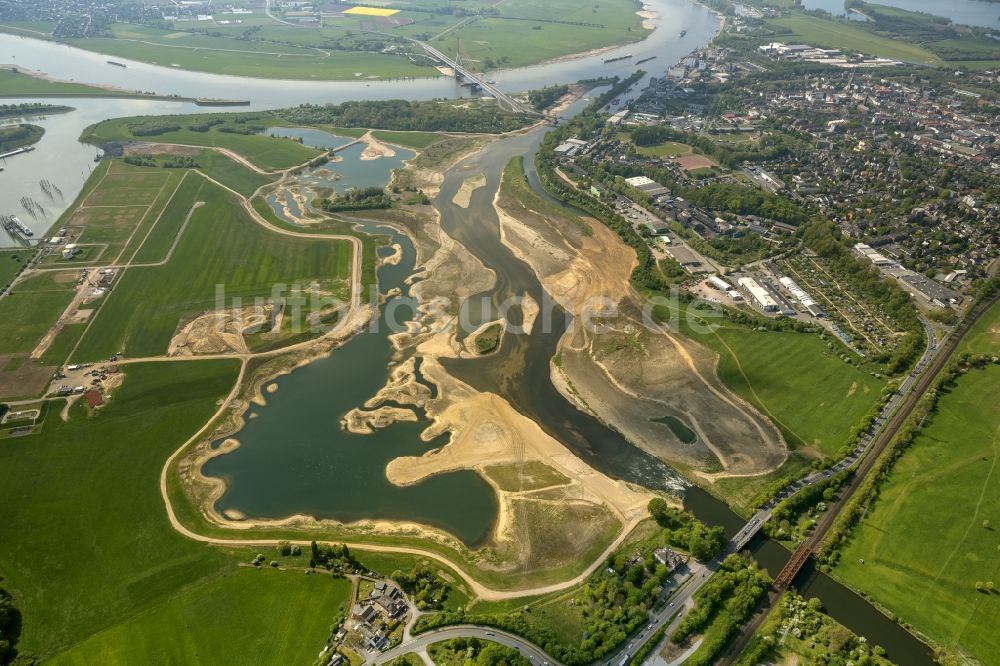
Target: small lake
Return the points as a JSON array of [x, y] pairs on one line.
[[347, 169], [294, 457]]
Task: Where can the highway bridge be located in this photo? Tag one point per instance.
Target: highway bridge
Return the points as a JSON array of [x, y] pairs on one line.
[[463, 73]]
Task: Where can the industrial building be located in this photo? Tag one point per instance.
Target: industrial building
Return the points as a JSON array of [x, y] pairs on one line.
[[800, 295], [757, 294], [872, 255], [718, 283], [647, 186], [656, 228]]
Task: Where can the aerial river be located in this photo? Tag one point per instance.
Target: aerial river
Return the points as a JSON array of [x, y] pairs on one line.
[[293, 458]]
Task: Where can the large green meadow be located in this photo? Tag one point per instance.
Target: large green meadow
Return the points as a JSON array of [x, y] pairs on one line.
[[32, 307], [267, 152], [221, 248], [798, 380], [834, 34], [282, 617], [984, 336], [95, 567], [931, 535], [528, 32]]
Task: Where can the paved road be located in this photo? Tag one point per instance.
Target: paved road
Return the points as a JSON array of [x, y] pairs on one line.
[[418, 643], [677, 595]]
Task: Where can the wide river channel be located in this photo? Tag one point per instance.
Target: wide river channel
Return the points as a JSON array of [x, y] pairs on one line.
[[294, 457]]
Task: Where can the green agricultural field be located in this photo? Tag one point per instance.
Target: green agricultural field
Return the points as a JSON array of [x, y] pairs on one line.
[[931, 535], [115, 215], [830, 33], [408, 139], [61, 346], [231, 173], [32, 307], [984, 337], [339, 48], [225, 56], [285, 617], [523, 34], [11, 262], [219, 246], [84, 547], [42, 29], [267, 152]]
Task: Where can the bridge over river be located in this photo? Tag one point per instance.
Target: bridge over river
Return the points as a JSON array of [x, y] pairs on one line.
[[462, 72]]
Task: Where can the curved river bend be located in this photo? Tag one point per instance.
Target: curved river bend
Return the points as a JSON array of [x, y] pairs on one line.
[[347, 480]]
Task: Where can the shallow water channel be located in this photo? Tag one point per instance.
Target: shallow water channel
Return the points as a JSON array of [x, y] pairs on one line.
[[295, 458]]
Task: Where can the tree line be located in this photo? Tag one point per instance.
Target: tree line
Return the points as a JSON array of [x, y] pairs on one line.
[[425, 116]]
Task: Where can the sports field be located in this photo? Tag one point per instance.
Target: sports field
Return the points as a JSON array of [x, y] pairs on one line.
[[221, 247], [665, 149], [931, 534], [266, 152]]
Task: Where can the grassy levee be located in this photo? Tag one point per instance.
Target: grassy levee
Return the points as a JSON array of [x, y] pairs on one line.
[[220, 246], [32, 307], [267, 152], [284, 617], [927, 539], [84, 543], [984, 336]]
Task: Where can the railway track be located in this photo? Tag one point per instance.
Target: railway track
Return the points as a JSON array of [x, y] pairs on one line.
[[815, 539]]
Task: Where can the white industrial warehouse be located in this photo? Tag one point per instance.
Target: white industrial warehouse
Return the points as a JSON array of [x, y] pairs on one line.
[[758, 295]]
